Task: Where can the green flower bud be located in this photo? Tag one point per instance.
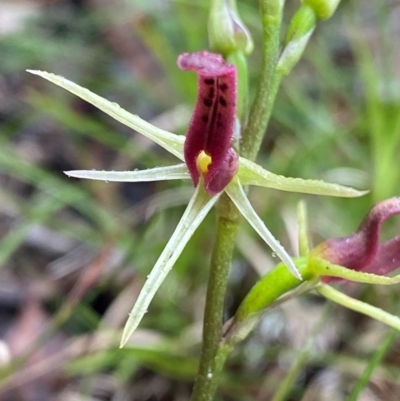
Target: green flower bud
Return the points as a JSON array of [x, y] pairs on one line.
[[299, 31], [301, 24], [323, 9], [227, 33]]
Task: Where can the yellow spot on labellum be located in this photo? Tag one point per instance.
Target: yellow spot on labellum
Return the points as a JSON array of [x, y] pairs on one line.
[[203, 161]]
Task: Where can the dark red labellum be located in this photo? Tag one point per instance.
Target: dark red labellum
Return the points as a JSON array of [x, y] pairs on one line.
[[361, 251], [212, 124]]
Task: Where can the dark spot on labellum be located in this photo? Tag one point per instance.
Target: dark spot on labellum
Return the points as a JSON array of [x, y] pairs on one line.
[[205, 118], [220, 124], [207, 102], [211, 93], [209, 81], [223, 87], [222, 101]]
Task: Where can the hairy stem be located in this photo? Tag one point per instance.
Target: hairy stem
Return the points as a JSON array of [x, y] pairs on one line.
[[212, 360], [213, 354], [271, 13]]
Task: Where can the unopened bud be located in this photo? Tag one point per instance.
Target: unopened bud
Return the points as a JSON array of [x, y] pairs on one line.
[[302, 23], [227, 32]]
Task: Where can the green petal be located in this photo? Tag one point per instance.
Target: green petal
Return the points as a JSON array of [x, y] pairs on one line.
[[253, 174], [196, 211], [177, 172], [239, 198], [171, 142]]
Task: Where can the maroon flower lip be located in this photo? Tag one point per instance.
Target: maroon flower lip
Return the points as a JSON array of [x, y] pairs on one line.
[[361, 251], [207, 148]]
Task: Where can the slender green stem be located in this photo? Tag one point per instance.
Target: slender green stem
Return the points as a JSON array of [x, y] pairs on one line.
[[372, 364], [271, 11], [213, 354], [212, 361], [288, 381], [301, 359]]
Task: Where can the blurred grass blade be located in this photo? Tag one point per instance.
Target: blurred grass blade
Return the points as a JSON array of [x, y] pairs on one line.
[[56, 187], [380, 88], [287, 384], [79, 124], [373, 363], [42, 208]]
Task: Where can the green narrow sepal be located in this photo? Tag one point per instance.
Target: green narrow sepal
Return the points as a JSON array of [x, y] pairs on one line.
[[321, 267]]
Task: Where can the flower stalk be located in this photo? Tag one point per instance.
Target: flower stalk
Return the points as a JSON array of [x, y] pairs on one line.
[[213, 356], [212, 359], [261, 109], [214, 351]]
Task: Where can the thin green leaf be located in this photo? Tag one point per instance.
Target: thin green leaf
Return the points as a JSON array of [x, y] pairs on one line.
[[177, 172], [196, 211], [252, 174], [239, 198], [171, 142]]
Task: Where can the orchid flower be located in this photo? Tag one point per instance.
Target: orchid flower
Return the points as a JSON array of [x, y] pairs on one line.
[[209, 160], [358, 257]]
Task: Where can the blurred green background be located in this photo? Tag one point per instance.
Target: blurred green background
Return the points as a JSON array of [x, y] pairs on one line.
[[74, 254]]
